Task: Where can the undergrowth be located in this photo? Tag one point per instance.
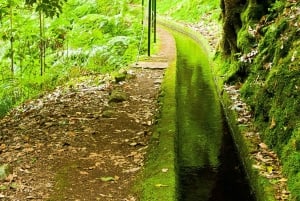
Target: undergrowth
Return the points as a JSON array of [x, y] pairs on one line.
[[266, 65], [37, 52], [190, 10]]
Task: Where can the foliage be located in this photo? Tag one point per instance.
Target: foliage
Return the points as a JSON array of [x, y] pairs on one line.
[[49, 7], [266, 66], [190, 10], [94, 35], [277, 6]]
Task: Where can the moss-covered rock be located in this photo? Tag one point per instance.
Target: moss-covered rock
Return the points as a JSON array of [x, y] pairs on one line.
[[109, 113], [117, 96]]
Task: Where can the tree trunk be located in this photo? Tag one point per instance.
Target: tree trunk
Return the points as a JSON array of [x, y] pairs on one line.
[[42, 46], [11, 40], [231, 11]]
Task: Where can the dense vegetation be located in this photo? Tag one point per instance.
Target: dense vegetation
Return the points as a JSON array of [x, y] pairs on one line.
[[44, 43], [191, 10], [262, 49]]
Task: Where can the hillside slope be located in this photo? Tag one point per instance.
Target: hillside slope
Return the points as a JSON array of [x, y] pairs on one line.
[[261, 46]]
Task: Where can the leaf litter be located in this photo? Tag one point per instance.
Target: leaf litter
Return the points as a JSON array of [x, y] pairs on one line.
[[60, 147], [264, 159]]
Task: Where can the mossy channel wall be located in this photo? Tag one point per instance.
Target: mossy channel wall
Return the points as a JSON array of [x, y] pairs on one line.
[[262, 188]]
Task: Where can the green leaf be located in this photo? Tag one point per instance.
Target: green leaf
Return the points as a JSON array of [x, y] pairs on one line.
[[106, 179], [2, 187], [14, 185], [269, 169]]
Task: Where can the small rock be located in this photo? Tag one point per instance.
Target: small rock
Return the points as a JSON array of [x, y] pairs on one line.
[[141, 133], [108, 113], [2, 147], [133, 144], [130, 76], [132, 170], [158, 81], [121, 77], [165, 170], [148, 123], [263, 146], [117, 97]]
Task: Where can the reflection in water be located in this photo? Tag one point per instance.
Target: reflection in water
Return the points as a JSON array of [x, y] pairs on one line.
[[200, 126], [196, 183], [198, 116]]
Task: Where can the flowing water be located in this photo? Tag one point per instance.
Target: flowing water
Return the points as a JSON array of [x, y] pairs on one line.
[[208, 165]]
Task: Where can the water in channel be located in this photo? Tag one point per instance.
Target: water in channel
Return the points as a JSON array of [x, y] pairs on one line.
[[207, 162]]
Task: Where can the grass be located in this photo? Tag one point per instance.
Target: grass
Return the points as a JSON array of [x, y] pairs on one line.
[[62, 179]]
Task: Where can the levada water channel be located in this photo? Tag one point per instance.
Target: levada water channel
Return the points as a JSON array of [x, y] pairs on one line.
[[207, 161]]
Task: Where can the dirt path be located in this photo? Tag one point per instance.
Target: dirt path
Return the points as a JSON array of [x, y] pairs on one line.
[[80, 142]]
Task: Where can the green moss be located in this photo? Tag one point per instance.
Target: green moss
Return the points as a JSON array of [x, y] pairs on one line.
[[246, 41], [246, 37], [292, 166], [291, 162], [294, 177], [262, 187], [271, 87], [62, 179], [194, 83], [157, 185], [294, 186], [278, 49], [277, 7], [254, 11], [272, 90]]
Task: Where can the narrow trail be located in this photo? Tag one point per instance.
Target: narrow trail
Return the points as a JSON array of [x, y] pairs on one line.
[[85, 141]]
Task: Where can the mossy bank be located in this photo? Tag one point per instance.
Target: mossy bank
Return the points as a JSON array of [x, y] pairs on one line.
[[262, 49]]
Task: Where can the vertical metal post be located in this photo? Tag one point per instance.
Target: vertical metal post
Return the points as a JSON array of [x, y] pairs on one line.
[[143, 8], [154, 20], [149, 27]]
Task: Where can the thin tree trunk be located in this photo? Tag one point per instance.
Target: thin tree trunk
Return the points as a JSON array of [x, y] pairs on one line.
[[149, 26], [154, 20], [41, 44], [44, 43], [11, 40], [143, 11]]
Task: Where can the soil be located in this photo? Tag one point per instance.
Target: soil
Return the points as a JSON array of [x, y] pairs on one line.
[[80, 143]]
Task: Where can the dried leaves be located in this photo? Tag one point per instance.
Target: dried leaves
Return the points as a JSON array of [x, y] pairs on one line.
[[265, 160], [41, 138]]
